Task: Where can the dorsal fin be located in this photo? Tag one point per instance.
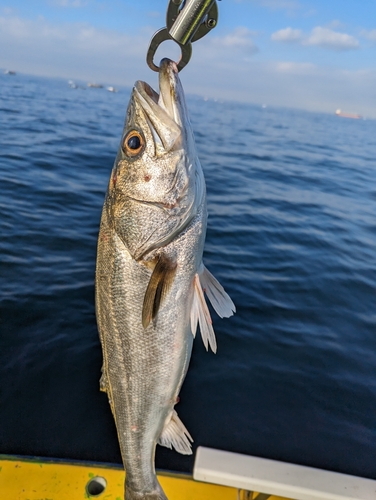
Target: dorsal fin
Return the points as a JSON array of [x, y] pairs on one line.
[[159, 284]]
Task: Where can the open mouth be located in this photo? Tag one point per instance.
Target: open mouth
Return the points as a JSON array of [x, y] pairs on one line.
[[164, 112], [170, 97]]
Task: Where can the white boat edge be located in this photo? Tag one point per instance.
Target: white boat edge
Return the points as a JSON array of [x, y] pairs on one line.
[[278, 478]]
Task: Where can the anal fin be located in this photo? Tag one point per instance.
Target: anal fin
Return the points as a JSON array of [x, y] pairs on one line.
[[158, 287], [176, 435]]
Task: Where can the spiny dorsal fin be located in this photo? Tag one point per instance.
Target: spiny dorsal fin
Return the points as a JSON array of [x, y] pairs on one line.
[[159, 284]]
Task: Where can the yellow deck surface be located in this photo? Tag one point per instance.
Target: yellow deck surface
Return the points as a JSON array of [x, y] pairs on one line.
[[37, 479]]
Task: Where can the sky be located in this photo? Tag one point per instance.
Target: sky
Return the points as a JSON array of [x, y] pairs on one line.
[[318, 55]]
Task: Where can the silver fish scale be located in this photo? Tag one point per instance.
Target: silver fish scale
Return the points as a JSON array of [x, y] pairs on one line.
[[144, 368]]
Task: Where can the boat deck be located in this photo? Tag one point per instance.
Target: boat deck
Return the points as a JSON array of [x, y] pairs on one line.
[[42, 479]]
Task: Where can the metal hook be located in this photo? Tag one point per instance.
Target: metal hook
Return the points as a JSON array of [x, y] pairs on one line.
[[161, 36], [184, 26]]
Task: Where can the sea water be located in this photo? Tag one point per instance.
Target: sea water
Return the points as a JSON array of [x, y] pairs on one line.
[[291, 236]]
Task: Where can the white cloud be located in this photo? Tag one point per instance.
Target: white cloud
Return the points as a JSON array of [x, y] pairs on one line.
[[287, 35], [279, 4], [284, 83], [335, 24], [327, 38], [280, 83], [71, 50], [320, 37], [69, 3], [7, 11], [295, 68], [220, 67], [275, 4], [370, 35], [240, 38]]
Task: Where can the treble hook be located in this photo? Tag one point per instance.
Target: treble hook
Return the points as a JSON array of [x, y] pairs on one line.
[[184, 25]]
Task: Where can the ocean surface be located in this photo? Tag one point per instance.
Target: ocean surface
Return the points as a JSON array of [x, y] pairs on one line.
[[291, 236]]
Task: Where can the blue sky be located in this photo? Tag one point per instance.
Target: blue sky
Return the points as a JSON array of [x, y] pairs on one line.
[[311, 54]]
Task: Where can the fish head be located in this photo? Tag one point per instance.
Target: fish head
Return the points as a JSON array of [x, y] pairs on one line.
[[157, 183]]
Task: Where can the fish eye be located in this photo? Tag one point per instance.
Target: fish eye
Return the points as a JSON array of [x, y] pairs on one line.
[[133, 143]]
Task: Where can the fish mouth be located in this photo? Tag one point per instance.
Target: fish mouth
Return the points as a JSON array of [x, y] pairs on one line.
[[165, 112], [170, 90]]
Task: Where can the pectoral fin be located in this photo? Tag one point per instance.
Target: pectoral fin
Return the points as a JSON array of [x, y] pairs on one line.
[[158, 287], [219, 299], [200, 314]]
